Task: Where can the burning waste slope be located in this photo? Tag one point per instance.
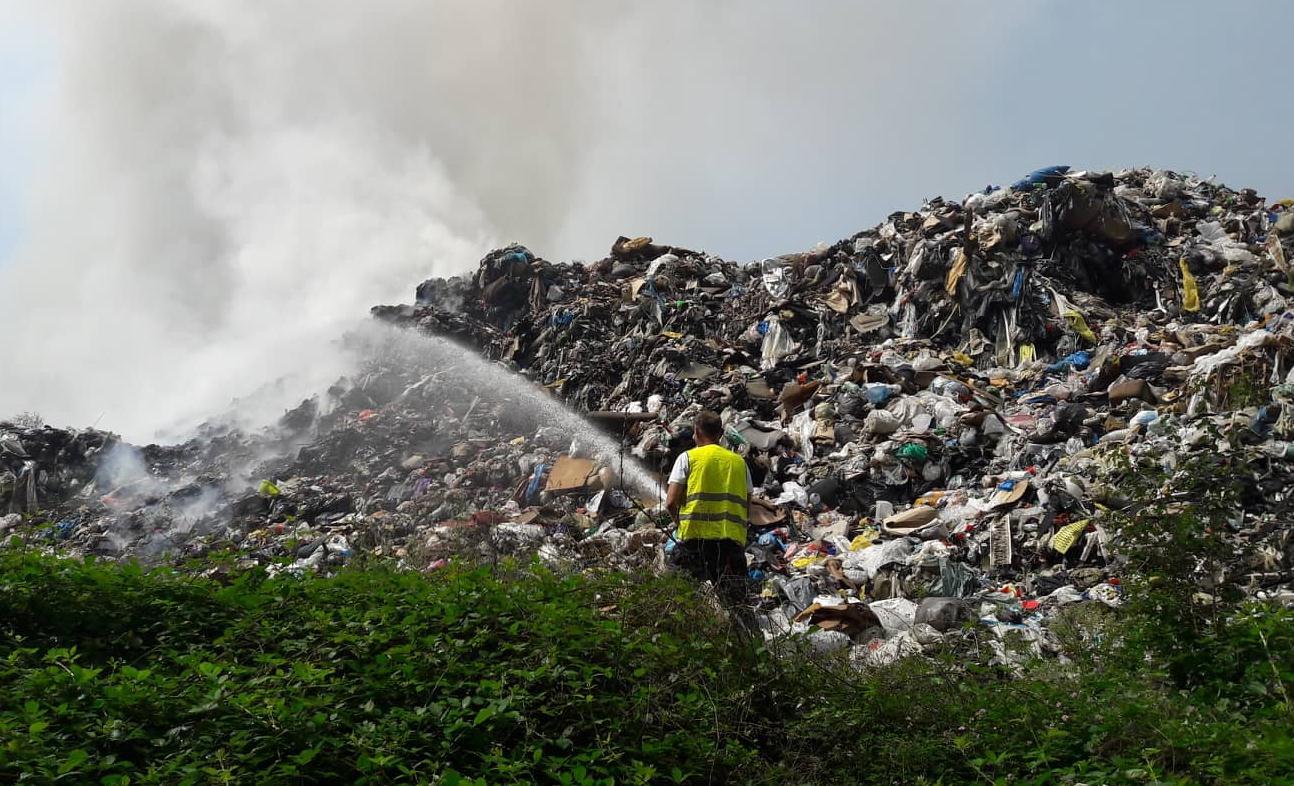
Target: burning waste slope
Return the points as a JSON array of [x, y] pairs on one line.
[[935, 411], [421, 432]]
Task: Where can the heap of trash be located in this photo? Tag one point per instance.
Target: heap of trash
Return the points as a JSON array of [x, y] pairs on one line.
[[930, 410]]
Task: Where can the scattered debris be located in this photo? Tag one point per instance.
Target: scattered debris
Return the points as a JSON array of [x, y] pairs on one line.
[[926, 408]]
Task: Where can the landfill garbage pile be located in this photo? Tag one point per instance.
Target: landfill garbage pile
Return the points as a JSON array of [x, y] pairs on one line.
[[423, 455], [930, 409]]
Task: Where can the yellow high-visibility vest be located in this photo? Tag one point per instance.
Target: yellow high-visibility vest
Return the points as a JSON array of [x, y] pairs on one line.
[[716, 496]]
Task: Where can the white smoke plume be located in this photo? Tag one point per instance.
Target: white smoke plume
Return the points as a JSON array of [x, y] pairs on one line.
[[226, 185], [229, 184]]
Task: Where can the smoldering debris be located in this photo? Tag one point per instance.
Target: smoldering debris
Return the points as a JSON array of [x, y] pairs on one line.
[[930, 408]]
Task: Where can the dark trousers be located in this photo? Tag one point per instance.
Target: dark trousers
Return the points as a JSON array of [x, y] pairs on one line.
[[722, 562]]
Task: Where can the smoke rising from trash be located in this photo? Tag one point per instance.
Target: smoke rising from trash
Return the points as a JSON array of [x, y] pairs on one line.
[[220, 186], [225, 186], [123, 469], [229, 185]]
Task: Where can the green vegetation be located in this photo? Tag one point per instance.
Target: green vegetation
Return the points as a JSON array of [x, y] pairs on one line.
[[1244, 387], [113, 674], [117, 675]]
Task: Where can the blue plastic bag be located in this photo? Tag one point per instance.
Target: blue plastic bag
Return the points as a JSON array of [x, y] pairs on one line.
[[1039, 176]]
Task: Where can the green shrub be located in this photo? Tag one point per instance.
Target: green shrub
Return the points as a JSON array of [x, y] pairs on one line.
[[117, 675], [371, 676]]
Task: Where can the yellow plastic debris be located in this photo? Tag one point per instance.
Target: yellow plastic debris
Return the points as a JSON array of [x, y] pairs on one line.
[[1067, 535], [955, 272], [1079, 325], [930, 498], [859, 543], [1190, 290]]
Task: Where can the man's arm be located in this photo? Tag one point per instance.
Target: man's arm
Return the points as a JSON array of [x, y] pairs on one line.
[[674, 500], [676, 495], [750, 496]]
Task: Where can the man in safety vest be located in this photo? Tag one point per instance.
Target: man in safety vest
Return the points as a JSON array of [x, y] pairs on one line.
[[709, 499]]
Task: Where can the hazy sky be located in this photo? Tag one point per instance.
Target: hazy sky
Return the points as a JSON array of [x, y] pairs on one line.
[[26, 76], [192, 191]]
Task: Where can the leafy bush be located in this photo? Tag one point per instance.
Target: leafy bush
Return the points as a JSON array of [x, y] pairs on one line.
[[370, 676], [116, 675]]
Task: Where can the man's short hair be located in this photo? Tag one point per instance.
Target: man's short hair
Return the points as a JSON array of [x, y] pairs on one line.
[[709, 424]]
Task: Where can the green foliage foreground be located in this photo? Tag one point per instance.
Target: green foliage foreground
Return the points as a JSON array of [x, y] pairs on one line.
[[112, 674]]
